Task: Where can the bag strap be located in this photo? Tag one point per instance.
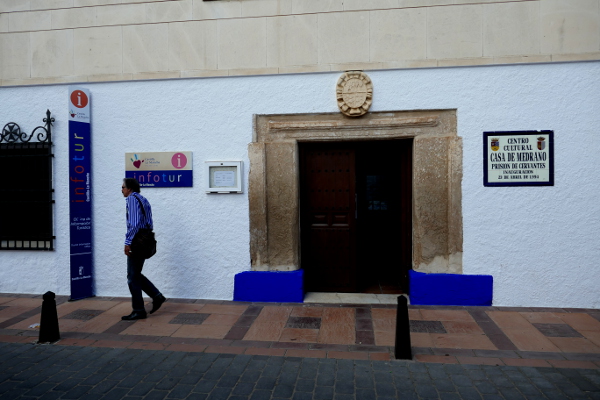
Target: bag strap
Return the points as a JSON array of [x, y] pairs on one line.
[[143, 210]]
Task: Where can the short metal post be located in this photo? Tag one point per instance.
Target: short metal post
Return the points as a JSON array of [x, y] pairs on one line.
[[49, 322], [402, 350]]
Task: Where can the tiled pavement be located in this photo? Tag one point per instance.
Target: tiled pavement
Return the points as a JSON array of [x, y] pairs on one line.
[[224, 350], [565, 338]]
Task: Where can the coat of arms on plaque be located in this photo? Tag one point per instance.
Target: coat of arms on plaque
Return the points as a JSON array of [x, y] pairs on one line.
[[495, 144], [541, 144], [354, 93]]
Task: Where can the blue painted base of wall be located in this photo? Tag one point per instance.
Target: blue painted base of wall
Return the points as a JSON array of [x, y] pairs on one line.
[[269, 286], [450, 289]]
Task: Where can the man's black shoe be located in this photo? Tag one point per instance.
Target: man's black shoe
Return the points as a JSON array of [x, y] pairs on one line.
[[157, 302], [134, 315]]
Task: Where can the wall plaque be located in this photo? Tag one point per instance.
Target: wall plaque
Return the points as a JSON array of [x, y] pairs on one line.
[[518, 158], [160, 169], [354, 93], [224, 176]]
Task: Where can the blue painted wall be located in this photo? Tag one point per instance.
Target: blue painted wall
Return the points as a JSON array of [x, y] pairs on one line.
[[269, 286], [450, 289]]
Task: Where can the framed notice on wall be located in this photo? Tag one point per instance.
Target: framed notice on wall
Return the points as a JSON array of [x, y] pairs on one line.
[[518, 158], [224, 176]]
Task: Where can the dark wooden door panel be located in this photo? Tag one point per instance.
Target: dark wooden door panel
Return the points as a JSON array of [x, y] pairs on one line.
[[331, 259], [328, 223], [346, 246], [384, 187]]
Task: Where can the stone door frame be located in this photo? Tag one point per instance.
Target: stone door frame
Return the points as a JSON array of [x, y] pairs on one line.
[[274, 188]]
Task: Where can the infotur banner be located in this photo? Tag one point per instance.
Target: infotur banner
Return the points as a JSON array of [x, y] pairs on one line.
[[162, 169], [80, 193]]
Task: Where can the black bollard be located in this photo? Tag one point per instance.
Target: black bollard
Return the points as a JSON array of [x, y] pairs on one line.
[[49, 322], [402, 350]]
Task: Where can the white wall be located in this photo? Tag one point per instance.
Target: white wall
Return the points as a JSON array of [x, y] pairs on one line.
[[540, 243]]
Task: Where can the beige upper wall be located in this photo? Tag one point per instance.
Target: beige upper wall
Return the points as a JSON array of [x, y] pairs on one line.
[[49, 41]]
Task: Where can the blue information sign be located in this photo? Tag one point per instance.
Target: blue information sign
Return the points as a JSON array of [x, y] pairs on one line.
[[80, 194], [160, 169], [162, 178]]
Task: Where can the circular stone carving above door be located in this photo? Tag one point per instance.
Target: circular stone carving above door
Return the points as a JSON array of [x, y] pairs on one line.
[[354, 93]]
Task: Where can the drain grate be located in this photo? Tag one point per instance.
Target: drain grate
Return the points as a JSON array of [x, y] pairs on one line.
[[84, 315], [557, 330], [427, 327], [304, 322], [189, 319]]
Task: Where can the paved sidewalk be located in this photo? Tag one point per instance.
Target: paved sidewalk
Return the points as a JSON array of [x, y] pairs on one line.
[[200, 349], [563, 338]]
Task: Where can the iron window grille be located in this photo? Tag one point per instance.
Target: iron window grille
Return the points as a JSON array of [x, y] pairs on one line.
[[26, 192]]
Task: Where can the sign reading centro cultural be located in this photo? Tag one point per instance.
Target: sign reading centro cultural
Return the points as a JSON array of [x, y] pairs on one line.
[[80, 193], [520, 158], [164, 169]]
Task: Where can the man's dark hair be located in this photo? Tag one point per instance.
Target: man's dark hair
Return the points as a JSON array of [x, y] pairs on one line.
[[132, 183]]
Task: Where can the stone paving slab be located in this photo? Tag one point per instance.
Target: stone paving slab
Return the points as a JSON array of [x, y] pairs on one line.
[[497, 336], [29, 371]]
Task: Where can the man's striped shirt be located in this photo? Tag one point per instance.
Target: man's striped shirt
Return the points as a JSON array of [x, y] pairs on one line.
[[135, 217]]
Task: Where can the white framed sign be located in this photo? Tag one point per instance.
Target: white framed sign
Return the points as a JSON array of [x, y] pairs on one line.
[[518, 158], [224, 176]]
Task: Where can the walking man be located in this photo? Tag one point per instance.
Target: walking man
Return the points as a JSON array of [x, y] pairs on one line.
[[139, 215]]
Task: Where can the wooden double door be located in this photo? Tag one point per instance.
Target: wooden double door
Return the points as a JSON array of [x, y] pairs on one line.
[[356, 215]]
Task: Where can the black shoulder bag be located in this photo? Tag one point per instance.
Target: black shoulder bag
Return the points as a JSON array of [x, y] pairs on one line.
[[143, 244]]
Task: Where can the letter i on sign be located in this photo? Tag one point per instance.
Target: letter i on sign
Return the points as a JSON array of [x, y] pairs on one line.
[[179, 160]]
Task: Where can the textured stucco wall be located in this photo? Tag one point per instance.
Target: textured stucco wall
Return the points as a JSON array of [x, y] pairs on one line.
[[539, 243]]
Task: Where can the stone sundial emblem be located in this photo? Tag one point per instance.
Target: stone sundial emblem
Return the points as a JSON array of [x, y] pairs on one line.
[[354, 93]]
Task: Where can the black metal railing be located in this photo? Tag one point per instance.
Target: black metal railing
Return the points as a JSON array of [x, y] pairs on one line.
[[26, 192]]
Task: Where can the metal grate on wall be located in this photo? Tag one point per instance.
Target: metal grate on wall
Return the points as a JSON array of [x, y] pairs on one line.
[[26, 189]]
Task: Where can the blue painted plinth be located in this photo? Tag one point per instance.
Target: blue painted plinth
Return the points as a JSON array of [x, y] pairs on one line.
[[450, 289], [269, 286]]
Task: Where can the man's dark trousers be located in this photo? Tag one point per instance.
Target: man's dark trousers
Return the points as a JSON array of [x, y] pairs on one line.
[[138, 282]]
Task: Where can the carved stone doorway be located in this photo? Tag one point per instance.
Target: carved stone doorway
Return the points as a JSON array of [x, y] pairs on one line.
[[274, 182]]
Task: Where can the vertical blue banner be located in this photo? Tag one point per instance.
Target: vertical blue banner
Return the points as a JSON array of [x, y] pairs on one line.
[[80, 194]]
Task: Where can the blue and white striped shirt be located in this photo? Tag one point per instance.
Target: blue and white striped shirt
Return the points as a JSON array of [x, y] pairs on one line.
[[135, 217]]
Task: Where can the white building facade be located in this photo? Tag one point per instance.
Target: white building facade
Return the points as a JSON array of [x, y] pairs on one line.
[[537, 242]]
